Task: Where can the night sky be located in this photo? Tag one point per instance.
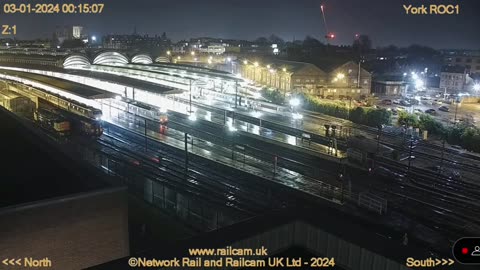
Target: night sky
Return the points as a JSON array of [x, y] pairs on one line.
[[383, 20]]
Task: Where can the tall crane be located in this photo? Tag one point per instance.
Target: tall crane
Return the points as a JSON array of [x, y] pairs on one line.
[[328, 34]]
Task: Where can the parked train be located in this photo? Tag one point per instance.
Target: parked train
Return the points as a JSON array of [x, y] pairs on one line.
[[52, 121], [66, 123], [140, 109], [17, 104]]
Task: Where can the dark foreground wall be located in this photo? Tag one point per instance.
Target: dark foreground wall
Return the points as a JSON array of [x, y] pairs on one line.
[[74, 232], [54, 206]]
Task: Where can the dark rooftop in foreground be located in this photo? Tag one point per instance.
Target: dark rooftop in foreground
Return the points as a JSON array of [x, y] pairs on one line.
[[34, 168], [453, 69], [292, 233]]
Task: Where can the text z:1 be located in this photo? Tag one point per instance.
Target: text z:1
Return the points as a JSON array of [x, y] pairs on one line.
[[9, 29]]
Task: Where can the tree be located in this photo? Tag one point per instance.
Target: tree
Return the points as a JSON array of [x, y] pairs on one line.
[[310, 42], [470, 139], [362, 44], [378, 117], [407, 119], [358, 115], [261, 40], [426, 122], [275, 39], [454, 134], [274, 96], [73, 43]]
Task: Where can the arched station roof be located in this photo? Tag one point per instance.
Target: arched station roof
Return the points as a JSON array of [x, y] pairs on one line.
[[76, 60], [110, 58], [142, 59]]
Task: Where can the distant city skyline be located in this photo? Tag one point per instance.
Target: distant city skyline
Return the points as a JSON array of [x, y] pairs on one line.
[[384, 21]]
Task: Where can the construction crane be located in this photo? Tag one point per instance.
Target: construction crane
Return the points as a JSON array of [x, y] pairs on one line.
[[328, 34]]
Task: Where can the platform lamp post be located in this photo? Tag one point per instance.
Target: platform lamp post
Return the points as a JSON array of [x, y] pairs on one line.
[[255, 66], [236, 93], [190, 97], [457, 100], [410, 153], [186, 153], [282, 80], [145, 135]]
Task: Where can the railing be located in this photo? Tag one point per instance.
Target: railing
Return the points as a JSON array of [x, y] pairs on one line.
[[372, 202]]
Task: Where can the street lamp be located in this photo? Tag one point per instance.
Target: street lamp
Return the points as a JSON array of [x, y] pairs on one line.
[[169, 53], [476, 87], [192, 117], [294, 102], [192, 53]]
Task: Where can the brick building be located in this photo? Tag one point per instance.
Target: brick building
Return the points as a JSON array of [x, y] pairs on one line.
[[453, 79], [347, 80]]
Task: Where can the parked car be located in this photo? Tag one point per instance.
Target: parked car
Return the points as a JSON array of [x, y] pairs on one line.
[[444, 109], [396, 101], [387, 101], [431, 111], [413, 101], [400, 108], [417, 111], [404, 103]]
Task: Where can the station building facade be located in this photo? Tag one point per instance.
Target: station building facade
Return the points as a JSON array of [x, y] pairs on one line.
[[347, 80]]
